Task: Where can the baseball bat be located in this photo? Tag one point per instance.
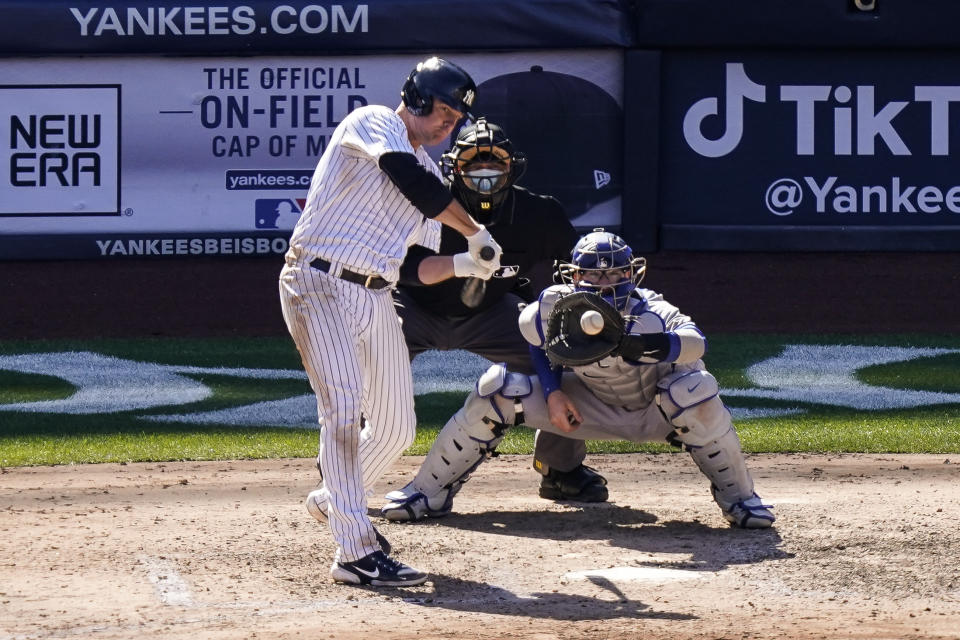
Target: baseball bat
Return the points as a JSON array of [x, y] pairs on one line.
[[475, 288]]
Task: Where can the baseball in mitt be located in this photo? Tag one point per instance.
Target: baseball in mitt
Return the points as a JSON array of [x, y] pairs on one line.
[[575, 336]]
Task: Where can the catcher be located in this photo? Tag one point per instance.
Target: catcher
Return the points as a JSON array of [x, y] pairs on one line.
[[613, 361]]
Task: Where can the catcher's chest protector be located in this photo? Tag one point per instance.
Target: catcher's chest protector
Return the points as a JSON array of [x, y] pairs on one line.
[[622, 384]]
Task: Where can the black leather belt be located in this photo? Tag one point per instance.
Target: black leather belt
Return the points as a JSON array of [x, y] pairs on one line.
[[370, 282]]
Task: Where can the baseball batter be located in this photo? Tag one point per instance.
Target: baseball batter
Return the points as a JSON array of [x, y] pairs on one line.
[[374, 193], [652, 387]]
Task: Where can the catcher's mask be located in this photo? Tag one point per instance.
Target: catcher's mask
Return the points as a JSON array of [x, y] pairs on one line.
[[482, 165], [604, 264], [438, 79]]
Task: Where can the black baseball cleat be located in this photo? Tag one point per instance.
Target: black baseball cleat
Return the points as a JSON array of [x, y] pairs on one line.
[[377, 570], [582, 484]]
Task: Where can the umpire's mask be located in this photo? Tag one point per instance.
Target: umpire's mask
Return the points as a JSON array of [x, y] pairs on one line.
[[482, 166]]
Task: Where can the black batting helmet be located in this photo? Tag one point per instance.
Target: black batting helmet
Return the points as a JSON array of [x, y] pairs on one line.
[[438, 79]]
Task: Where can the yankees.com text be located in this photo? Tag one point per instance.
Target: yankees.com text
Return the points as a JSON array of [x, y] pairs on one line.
[[219, 21], [253, 179]]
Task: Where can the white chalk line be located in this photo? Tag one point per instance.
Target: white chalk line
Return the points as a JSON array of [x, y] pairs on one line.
[[171, 588], [173, 591]]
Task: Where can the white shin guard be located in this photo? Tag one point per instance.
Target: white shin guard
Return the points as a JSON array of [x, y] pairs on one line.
[[690, 400], [468, 439], [723, 463]]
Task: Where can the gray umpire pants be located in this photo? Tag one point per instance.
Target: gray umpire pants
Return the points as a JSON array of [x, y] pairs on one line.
[[495, 335]]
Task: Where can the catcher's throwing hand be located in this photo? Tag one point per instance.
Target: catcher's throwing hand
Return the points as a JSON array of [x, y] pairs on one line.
[[568, 344], [564, 415]]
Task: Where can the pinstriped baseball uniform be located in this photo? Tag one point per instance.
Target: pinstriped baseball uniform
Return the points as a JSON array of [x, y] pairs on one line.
[[348, 335]]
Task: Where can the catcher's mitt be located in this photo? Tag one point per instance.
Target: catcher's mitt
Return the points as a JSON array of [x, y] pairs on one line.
[[567, 344]]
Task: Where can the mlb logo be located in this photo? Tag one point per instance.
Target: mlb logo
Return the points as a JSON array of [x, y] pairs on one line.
[[280, 213]]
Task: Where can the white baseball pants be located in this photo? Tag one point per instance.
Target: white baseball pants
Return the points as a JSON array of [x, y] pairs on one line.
[[353, 351]]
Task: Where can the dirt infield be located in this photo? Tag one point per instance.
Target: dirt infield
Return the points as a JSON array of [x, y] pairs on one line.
[[866, 546]]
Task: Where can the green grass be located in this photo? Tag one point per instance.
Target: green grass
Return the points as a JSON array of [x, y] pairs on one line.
[[931, 374], [158, 444], [33, 438], [31, 387]]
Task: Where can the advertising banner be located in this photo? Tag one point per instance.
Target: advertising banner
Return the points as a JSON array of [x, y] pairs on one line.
[[109, 157], [781, 150], [46, 27], [788, 24]]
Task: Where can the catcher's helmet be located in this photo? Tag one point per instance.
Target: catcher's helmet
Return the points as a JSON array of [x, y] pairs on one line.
[[482, 165], [602, 263], [438, 79]]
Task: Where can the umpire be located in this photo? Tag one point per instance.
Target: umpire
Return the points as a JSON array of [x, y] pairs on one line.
[[481, 169]]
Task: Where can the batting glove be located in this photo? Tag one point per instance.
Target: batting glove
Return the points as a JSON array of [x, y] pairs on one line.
[[464, 266], [478, 242]]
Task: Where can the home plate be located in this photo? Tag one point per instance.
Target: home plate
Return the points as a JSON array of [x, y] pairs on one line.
[[635, 574]]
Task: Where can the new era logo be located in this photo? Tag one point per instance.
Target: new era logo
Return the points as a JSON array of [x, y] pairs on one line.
[[600, 178]]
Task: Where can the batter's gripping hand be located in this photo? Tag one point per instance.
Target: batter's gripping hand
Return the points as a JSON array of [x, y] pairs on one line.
[[480, 240], [567, 344], [464, 266]]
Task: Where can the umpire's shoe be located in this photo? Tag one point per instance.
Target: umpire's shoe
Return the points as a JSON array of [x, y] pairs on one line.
[[582, 484], [317, 507], [378, 570]]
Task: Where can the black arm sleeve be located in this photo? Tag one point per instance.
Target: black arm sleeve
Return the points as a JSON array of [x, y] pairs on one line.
[[410, 269], [424, 190], [646, 345]]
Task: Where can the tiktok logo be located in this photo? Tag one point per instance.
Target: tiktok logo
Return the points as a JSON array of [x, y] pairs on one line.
[[858, 121], [739, 87]]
